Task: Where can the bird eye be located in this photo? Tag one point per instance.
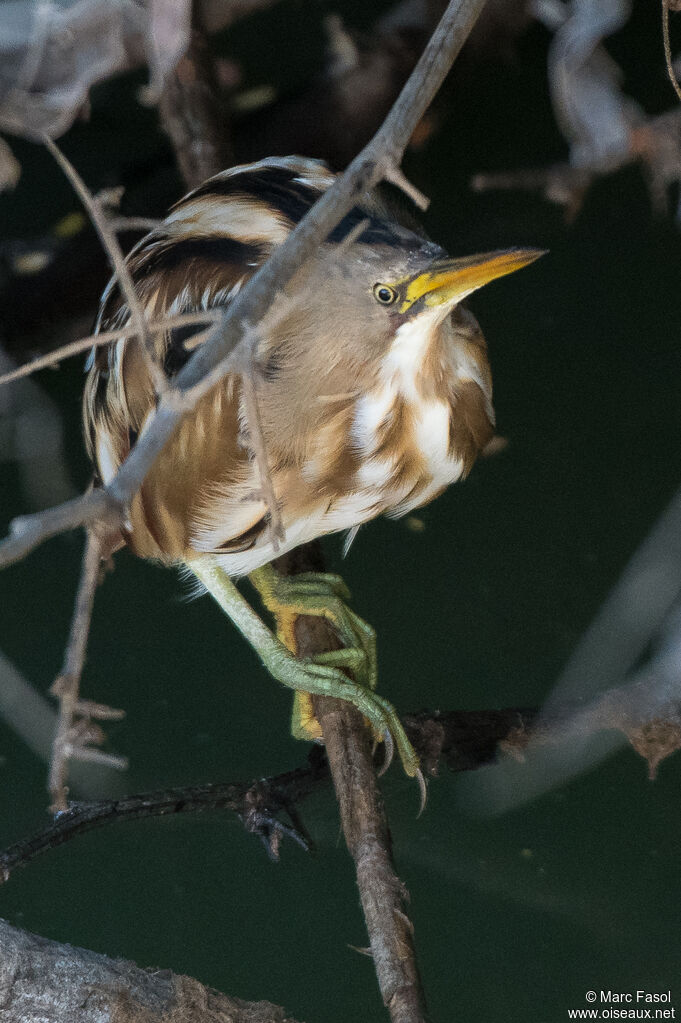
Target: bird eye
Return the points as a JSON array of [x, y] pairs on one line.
[[384, 294]]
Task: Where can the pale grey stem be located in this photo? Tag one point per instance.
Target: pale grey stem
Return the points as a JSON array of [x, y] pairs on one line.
[[84, 344]]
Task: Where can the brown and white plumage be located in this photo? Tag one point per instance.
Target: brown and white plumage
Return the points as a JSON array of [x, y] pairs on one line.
[[366, 408]]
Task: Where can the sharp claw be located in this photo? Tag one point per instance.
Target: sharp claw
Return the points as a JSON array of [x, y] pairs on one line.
[[389, 752], [423, 791]]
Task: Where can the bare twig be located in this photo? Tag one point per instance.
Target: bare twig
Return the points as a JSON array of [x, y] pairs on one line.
[[120, 224], [71, 737], [45, 980], [108, 200], [365, 171], [365, 826], [84, 344], [460, 740], [257, 442], [264, 800], [112, 248], [28, 531]]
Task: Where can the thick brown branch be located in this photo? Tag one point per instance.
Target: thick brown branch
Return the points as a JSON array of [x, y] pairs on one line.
[[365, 825]]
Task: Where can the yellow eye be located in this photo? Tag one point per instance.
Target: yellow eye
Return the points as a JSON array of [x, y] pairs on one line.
[[384, 294]]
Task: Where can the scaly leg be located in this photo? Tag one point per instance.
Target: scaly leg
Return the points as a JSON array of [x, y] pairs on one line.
[[318, 676]]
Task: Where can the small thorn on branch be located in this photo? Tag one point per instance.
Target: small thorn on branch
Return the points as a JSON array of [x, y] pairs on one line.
[[394, 174]]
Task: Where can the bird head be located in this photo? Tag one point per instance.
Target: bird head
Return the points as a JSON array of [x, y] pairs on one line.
[[360, 295], [444, 283]]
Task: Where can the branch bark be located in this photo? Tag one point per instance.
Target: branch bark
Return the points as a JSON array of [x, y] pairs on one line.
[[222, 349], [365, 825], [45, 980]]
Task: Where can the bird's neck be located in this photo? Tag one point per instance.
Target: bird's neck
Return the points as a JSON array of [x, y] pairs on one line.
[[430, 355]]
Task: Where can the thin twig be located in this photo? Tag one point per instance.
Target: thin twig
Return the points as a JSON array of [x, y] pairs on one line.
[[249, 306], [84, 344], [67, 685], [264, 800], [28, 531], [119, 224], [257, 442], [461, 740], [115, 253]]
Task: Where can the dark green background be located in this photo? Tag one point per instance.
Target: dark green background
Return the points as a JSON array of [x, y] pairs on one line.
[[518, 916]]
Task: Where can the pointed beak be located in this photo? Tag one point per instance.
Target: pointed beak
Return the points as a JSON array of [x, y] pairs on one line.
[[450, 280]]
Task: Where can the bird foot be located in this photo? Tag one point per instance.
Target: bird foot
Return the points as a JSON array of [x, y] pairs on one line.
[[319, 677], [321, 594]]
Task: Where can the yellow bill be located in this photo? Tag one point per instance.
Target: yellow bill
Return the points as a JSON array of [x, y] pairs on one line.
[[450, 280]]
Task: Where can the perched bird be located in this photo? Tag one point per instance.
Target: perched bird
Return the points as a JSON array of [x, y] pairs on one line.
[[373, 389]]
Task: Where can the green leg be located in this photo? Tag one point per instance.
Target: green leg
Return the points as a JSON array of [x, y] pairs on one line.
[[315, 675]]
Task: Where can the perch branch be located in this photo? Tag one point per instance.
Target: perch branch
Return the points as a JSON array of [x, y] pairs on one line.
[[364, 822], [113, 249], [75, 728]]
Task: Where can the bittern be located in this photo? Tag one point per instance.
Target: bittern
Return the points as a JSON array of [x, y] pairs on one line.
[[373, 389]]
